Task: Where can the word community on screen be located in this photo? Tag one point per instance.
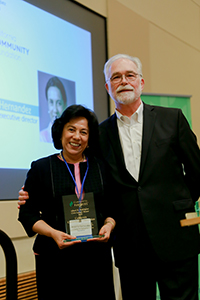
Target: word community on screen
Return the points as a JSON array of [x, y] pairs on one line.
[[37, 48]]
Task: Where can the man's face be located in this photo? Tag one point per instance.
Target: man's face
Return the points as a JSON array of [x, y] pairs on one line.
[[124, 92]]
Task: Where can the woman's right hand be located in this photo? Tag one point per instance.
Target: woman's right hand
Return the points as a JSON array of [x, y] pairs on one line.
[[42, 228], [60, 237]]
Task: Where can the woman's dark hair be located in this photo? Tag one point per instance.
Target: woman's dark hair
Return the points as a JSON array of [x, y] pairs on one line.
[[75, 111], [55, 81]]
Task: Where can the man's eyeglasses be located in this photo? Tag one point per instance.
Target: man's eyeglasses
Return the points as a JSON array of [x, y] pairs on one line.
[[117, 78]]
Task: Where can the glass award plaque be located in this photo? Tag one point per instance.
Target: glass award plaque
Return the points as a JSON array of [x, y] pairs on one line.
[[80, 217]]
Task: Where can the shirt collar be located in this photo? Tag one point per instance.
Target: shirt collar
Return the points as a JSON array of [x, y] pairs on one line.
[[136, 117]]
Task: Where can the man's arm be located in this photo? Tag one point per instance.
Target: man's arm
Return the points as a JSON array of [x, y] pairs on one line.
[[23, 196]]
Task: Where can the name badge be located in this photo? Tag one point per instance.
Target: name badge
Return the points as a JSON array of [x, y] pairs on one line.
[[82, 227]]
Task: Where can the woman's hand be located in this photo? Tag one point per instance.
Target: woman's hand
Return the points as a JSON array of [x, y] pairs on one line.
[[105, 231], [59, 237]]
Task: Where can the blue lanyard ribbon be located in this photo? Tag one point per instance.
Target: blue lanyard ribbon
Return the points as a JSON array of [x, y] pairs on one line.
[[79, 195]]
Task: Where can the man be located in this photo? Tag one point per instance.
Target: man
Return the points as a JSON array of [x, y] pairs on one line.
[[154, 161]]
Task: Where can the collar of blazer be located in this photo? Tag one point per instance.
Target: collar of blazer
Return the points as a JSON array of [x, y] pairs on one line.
[[149, 118]]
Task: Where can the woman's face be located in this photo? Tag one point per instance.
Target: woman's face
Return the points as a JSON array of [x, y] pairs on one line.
[[55, 103], [75, 136]]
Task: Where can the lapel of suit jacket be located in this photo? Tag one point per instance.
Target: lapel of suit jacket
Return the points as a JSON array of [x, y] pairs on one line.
[[115, 140], [149, 117], [117, 148]]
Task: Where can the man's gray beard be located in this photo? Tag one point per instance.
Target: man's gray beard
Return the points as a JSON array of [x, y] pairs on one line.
[[126, 98]]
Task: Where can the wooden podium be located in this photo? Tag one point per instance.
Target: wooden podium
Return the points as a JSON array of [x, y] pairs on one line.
[[191, 219]]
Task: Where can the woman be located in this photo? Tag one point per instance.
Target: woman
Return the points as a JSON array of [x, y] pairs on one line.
[[57, 102], [69, 270]]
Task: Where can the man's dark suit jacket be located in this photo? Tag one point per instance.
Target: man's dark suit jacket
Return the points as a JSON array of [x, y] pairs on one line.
[[168, 185]]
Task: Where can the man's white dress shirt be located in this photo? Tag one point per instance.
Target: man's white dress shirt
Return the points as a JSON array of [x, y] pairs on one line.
[[130, 133]]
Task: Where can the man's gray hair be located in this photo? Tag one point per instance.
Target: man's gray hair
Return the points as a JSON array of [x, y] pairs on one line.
[[119, 56]]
